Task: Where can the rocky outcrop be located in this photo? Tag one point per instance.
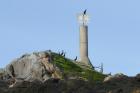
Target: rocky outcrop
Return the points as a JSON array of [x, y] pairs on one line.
[[50, 86], [30, 67], [116, 76], [49, 72], [129, 85]]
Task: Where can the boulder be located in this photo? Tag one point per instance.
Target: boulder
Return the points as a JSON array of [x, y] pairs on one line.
[[35, 66], [108, 78], [116, 76]]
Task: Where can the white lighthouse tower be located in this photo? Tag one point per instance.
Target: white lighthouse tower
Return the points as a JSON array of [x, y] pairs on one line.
[[83, 20]]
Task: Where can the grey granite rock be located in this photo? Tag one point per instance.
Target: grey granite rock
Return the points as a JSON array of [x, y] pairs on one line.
[[35, 66]]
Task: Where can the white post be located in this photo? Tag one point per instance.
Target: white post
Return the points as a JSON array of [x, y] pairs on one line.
[[84, 44], [83, 19]]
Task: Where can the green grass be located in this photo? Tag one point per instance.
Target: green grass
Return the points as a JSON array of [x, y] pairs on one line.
[[70, 69]]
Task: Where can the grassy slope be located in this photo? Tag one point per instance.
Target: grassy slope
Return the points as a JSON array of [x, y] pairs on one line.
[[70, 69]]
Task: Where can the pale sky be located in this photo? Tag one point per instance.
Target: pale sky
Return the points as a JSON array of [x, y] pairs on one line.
[[36, 25]]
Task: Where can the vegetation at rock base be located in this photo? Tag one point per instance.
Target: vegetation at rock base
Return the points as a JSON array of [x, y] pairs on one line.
[[72, 70]]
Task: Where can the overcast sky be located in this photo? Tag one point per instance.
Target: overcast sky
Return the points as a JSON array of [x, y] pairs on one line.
[[35, 25]]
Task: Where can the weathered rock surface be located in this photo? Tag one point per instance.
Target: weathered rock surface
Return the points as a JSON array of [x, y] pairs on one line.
[[116, 76], [30, 67], [129, 85], [41, 72]]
